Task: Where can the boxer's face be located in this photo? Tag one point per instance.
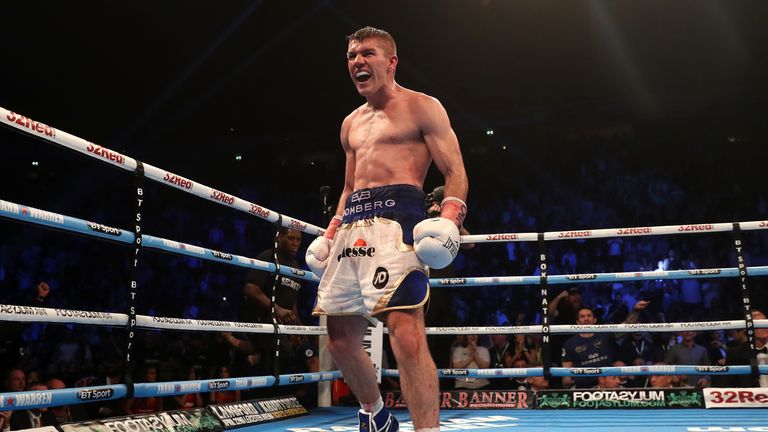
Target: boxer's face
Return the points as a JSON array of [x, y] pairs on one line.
[[370, 61]]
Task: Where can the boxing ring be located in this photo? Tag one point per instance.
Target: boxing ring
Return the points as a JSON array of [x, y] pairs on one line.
[[343, 418]]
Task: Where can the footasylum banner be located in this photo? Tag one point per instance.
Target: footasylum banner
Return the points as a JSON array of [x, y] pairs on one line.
[[620, 398]]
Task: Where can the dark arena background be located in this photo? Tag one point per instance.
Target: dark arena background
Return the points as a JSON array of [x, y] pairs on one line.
[[571, 116]]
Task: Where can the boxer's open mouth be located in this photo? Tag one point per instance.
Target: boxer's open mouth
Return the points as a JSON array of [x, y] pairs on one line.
[[362, 76]]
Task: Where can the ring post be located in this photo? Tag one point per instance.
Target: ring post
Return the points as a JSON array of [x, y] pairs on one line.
[[324, 396], [738, 245], [546, 349], [276, 340], [128, 367]]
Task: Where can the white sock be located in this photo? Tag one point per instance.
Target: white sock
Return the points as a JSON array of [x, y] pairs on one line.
[[374, 407], [434, 429]]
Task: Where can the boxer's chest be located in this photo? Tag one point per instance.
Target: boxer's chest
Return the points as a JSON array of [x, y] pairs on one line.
[[380, 128]]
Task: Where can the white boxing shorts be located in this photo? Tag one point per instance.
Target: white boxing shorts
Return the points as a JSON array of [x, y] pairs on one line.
[[372, 266]]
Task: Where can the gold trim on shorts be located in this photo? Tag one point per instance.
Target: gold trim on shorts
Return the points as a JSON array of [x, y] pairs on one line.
[[379, 307]]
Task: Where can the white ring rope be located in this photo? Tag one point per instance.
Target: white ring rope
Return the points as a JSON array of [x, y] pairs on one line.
[[597, 277], [614, 232], [53, 135], [67, 223], [597, 328], [69, 316]]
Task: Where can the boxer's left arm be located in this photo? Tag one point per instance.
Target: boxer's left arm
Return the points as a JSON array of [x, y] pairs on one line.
[[436, 240], [349, 167], [443, 146]]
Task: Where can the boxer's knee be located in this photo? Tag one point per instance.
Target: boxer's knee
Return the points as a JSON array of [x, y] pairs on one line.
[[408, 344], [345, 336]]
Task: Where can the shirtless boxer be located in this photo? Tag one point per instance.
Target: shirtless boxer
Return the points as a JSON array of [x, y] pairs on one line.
[[376, 251]]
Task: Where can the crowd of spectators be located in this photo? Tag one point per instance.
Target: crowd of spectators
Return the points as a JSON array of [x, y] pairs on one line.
[[602, 188]]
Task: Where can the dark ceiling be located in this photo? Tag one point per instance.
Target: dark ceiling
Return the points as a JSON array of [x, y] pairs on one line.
[[145, 75]]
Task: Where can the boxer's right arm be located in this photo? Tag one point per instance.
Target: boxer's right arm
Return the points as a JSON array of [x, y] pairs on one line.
[[319, 250], [349, 166]]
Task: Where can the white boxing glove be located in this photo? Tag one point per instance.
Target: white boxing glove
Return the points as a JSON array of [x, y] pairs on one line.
[[320, 248], [436, 241], [317, 255]]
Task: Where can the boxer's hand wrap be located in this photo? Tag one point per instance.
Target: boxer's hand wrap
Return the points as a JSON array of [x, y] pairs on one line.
[[454, 209], [436, 241], [320, 248], [330, 232]]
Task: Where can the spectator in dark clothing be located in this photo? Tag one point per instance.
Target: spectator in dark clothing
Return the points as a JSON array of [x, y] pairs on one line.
[[259, 285], [738, 353], [592, 349], [660, 346], [563, 309], [255, 351], [636, 346], [689, 353]]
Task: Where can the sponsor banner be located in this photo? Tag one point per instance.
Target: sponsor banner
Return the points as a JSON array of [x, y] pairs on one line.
[[471, 399], [736, 397], [68, 396], [30, 399], [501, 237], [31, 126], [193, 420], [576, 277], [620, 398], [104, 229], [22, 310], [247, 413], [94, 394], [452, 281]]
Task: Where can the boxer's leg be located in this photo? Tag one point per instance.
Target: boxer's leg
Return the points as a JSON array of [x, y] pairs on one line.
[[418, 375]]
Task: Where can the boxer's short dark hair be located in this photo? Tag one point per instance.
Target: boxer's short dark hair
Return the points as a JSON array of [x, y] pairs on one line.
[[368, 32]]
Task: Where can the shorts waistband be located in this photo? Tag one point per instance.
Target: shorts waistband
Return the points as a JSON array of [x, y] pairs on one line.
[[395, 202]]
